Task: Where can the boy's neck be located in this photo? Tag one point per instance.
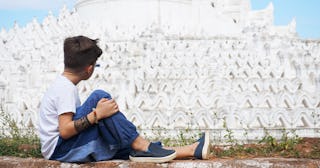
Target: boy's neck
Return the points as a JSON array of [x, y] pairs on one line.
[[75, 78]]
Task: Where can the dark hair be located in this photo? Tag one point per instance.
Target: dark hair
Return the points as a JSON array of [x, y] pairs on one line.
[[80, 51]]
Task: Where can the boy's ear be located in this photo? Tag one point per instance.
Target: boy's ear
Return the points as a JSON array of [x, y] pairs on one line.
[[89, 68]]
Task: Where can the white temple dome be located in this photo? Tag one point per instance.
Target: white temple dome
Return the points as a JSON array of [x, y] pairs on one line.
[[194, 17]]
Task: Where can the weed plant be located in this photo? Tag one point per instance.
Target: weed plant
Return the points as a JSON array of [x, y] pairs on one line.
[[15, 141]]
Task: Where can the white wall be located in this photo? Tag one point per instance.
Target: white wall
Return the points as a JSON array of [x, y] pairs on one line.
[[165, 82]]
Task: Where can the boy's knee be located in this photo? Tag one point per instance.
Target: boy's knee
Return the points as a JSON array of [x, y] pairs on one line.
[[102, 94], [119, 117]]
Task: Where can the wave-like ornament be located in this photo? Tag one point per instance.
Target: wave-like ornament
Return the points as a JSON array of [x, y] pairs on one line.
[[164, 79]]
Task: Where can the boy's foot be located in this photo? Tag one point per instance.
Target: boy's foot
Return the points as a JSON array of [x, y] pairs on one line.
[[203, 149], [158, 143], [155, 154]]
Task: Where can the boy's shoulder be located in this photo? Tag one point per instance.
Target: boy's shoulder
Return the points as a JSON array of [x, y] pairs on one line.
[[61, 84], [62, 80]]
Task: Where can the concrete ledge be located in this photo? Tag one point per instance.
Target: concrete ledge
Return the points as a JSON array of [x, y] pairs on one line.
[[11, 162]]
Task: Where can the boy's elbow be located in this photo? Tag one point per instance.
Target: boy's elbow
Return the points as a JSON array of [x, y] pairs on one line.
[[64, 134]]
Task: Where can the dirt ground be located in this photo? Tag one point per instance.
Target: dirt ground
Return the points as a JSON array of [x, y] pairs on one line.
[[305, 148]]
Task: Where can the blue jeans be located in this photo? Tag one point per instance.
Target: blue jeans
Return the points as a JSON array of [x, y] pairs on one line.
[[111, 138]]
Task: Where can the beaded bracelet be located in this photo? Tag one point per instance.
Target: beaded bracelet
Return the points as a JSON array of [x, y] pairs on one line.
[[95, 116]]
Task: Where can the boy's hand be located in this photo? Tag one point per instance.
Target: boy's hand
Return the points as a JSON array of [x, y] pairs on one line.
[[106, 108]]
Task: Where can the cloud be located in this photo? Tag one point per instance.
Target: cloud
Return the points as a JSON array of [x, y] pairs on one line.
[[35, 4]]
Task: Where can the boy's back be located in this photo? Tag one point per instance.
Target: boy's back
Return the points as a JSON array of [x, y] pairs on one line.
[[62, 96]]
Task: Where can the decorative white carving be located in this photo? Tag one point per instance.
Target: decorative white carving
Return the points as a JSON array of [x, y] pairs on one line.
[[165, 78]]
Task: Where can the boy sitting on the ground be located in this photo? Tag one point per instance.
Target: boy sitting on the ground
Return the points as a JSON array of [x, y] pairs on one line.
[[95, 130]]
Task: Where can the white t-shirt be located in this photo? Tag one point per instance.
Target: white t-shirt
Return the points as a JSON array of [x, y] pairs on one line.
[[60, 98]]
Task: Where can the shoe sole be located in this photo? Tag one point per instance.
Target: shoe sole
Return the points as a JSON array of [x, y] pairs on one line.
[[154, 159], [206, 146]]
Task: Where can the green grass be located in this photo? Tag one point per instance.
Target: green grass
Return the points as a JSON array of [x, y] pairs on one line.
[[22, 147], [293, 147]]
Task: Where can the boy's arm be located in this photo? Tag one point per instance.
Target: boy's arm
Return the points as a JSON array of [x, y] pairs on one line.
[[68, 127]]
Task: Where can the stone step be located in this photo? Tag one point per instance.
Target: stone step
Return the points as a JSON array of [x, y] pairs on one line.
[[12, 162]]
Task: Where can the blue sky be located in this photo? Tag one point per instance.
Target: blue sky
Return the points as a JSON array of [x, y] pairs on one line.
[[306, 12]]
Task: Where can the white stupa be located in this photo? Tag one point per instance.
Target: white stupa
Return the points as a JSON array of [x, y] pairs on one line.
[[175, 66], [182, 17]]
